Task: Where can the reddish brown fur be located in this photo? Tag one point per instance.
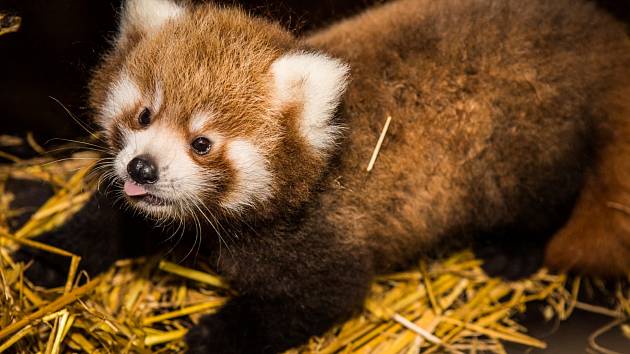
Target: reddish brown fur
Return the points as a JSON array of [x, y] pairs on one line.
[[596, 240], [440, 80]]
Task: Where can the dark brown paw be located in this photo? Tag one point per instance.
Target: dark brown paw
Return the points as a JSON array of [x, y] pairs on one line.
[[40, 272], [510, 263], [214, 335]]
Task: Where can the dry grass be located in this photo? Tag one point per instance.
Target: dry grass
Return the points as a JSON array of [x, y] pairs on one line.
[[146, 305], [9, 23]]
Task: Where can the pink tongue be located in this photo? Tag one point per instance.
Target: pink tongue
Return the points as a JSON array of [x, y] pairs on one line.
[[134, 190]]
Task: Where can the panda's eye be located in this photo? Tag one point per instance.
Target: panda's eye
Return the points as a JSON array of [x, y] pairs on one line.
[[144, 118], [201, 145]]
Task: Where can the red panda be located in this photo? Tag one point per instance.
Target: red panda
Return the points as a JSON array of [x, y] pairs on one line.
[[226, 125]]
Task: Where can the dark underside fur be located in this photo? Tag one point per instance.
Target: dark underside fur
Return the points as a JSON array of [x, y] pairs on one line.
[[493, 106]]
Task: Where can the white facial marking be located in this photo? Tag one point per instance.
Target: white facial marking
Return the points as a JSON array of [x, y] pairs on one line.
[[148, 15], [124, 94], [318, 81], [253, 178], [158, 97], [199, 121]]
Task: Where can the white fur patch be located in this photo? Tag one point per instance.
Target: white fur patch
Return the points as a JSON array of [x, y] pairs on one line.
[[148, 16], [158, 97], [199, 121], [318, 81], [123, 94], [253, 178]]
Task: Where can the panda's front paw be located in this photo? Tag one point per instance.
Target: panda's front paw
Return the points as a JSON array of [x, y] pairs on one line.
[[41, 270], [213, 334], [510, 262]]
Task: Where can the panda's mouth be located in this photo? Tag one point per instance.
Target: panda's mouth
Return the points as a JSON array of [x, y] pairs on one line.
[[139, 194]]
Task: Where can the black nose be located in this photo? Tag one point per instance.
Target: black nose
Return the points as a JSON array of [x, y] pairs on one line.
[[142, 170]]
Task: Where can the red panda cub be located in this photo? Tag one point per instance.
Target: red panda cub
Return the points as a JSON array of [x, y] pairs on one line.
[[256, 143]]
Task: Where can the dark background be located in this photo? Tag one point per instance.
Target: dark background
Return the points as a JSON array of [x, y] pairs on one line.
[[60, 41]]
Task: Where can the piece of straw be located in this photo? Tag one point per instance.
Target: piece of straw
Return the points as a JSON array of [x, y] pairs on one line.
[[185, 311], [37, 245], [155, 339], [377, 148], [192, 274], [19, 335]]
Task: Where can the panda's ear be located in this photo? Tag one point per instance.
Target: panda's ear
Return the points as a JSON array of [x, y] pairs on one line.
[[314, 83], [145, 17]]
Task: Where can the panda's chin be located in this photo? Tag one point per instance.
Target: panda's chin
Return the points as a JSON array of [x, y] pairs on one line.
[[151, 200], [153, 206]]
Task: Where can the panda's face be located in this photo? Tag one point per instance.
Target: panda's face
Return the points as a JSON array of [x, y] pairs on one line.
[[205, 108]]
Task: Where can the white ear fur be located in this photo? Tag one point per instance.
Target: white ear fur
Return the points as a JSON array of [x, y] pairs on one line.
[[147, 16], [317, 82]]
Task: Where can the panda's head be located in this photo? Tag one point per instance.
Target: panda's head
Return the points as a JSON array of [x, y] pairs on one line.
[[212, 112]]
